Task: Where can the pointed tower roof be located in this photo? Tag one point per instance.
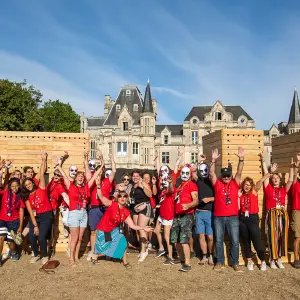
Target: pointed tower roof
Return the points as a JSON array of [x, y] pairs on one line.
[[295, 110], [147, 105]]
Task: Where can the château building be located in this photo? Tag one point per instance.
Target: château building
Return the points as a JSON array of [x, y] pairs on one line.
[[129, 131]]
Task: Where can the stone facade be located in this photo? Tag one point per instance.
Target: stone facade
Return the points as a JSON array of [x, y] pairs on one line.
[[129, 131]]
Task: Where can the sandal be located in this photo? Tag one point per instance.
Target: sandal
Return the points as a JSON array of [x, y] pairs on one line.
[[94, 261], [127, 266]]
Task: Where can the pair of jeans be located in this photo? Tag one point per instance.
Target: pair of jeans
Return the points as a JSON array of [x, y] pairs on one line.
[[231, 225], [44, 222], [250, 232]]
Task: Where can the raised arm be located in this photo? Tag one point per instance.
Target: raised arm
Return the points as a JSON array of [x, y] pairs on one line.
[[157, 165], [146, 188], [7, 165], [240, 155], [291, 176], [88, 174], [66, 198], [259, 183], [171, 184], [264, 168], [57, 163], [296, 169], [106, 202], [96, 174], [178, 161], [43, 168], [212, 170], [154, 186], [2, 162], [113, 168]]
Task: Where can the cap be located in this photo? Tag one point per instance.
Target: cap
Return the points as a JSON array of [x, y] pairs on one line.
[[226, 172]]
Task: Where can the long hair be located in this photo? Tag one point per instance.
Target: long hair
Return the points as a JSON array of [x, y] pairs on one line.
[[18, 193], [25, 192], [250, 180]]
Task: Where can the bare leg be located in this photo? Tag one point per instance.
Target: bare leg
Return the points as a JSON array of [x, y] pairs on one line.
[[135, 221], [1, 246], [203, 244], [93, 240], [191, 243], [74, 232], [187, 253], [143, 221], [124, 259], [158, 235], [167, 232], [180, 251], [81, 233], [210, 243]]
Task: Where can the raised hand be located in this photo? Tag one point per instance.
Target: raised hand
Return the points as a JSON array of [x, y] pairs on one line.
[[261, 155], [7, 163], [154, 180], [274, 167], [56, 161], [241, 152], [293, 164], [98, 180], [215, 154], [201, 157], [298, 156], [2, 163], [44, 155]]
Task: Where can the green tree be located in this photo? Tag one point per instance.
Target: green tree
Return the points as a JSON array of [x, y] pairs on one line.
[[56, 116], [19, 106]]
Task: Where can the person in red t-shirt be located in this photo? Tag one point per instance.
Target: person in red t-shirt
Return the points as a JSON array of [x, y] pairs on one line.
[[11, 215], [186, 199], [110, 240], [277, 220], [226, 208], [249, 220], [40, 210]]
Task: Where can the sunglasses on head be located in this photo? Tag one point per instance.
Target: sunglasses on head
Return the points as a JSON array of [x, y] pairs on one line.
[[57, 175]]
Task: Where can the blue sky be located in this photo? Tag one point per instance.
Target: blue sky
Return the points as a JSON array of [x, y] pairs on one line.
[[194, 52]]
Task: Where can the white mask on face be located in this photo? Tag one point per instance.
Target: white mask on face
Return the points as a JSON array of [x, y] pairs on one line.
[[164, 172], [203, 171], [107, 173], [185, 174], [92, 165], [73, 171]]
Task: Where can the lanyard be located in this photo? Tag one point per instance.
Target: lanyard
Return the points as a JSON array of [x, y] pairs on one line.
[[82, 196], [245, 201]]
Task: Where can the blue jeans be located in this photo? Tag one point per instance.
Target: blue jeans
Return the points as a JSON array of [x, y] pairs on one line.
[[231, 224]]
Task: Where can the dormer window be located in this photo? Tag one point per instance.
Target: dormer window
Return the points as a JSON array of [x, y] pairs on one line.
[[135, 107], [218, 116], [128, 92], [125, 126], [118, 107]]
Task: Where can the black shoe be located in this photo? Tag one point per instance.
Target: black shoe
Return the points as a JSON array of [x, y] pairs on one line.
[[185, 268], [169, 261], [176, 262]]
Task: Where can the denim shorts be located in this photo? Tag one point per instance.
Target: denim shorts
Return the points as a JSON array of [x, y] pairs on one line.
[[204, 222], [95, 215], [78, 218]]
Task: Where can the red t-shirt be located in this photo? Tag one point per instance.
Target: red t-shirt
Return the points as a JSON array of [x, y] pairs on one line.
[[296, 196], [221, 209], [272, 193], [113, 217], [54, 191], [15, 207], [36, 181], [106, 187], [184, 192], [79, 196], [249, 202], [94, 199], [39, 201]]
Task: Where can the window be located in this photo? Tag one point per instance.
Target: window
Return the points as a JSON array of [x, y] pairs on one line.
[[194, 137], [135, 107], [128, 92], [166, 139], [194, 121], [93, 149], [274, 135], [218, 116], [165, 157], [146, 156], [122, 148], [109, 148], [125, 126], [118, 107], [147, 125], [135, 148], [194, 157]]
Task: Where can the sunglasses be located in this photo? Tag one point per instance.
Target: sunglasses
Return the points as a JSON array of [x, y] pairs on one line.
[[123, 196], [126, 179], [57, 175], [226, 176]]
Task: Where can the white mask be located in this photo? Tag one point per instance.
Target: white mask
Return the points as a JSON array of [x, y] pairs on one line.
[[203, 171], [92, 165], [164, 184], [185, 174], [164, 172], [107, 173], [73, 171]]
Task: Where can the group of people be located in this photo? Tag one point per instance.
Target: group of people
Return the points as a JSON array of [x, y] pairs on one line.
[[190, 200]]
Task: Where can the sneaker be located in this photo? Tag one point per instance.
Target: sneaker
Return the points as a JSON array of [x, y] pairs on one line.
[[34, 259], [250, 266], [68, 252], [237, 268], [176, 262], [263, 266], [89, 256], [143, 256], [44, 260], [185, 268], [273, 265], [218, 267], [6, 255], [203, 261], [169, 261], [16, 237], [51, 252], [210, 260], [160, 253], [280, 264], [149, 247], [297, 264], [14, 256]]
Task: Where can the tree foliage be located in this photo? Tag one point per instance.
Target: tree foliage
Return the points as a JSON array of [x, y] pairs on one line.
[[22, 110]]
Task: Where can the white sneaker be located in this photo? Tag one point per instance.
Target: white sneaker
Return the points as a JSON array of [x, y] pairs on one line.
[[34, 259], [149, 246], [6, 255], [263, 266], [68, 252], [143, 256], [279, 264], [250, 265], [44, 260], [89, 256], [273, 265]]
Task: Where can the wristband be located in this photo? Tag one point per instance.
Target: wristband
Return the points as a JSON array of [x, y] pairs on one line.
[[241, 160], [35, 226], [7, 166]]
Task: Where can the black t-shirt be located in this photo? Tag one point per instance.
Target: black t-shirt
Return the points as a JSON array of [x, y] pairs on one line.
[[205, 189]]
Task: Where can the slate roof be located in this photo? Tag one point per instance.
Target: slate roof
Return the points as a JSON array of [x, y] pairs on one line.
[[96, 121], [200, 111], [295, 110], [175, 129], [128, 98], [147, 107]]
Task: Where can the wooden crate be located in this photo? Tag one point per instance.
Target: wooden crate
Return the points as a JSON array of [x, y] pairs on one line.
[[283, 148]]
